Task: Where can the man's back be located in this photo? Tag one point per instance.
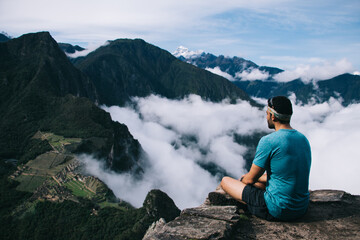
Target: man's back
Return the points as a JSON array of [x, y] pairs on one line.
[[286, 156]]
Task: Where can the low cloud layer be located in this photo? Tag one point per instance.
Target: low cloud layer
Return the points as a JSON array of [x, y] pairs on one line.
[[252, 74], [89, 49], [320, 70], [218, 71], [167, 130]]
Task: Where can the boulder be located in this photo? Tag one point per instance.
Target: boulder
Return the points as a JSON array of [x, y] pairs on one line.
[[159, 205]]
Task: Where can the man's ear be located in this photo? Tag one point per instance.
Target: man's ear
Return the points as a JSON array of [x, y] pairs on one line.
[[273, 118]]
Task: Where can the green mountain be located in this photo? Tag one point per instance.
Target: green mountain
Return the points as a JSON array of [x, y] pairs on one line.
[[42, 91], [345, 86], [126, 68]]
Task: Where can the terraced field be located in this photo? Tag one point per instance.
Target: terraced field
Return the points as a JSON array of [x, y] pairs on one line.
[[51, 176], [79, 189]]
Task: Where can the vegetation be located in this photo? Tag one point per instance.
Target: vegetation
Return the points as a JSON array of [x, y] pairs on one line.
[[70, 220], [85, 219]]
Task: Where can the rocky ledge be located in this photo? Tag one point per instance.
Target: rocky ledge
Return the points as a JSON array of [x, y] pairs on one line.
[[332, 214]]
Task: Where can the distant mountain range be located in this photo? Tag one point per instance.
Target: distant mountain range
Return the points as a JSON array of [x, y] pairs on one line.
[[237, 68], [345, 87], [258, 81]]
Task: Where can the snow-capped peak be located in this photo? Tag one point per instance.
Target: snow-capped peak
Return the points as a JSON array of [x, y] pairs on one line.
[[184, 52]]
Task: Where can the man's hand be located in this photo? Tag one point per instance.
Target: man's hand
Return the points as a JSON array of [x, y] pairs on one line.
[[254, 175], [263, 178]]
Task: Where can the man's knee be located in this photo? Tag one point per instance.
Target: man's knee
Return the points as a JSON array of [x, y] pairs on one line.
[[225, 181]]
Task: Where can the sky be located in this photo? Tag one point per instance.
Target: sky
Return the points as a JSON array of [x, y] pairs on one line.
[[292, 35], [165, 128]]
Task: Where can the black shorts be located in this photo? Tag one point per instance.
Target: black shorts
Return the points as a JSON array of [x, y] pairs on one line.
[[254, 198]]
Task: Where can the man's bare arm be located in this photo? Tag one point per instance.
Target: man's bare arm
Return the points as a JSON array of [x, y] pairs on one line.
[[254, 175]]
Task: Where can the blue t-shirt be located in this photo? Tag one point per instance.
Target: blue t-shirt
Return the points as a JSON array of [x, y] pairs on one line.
[[286, 157]]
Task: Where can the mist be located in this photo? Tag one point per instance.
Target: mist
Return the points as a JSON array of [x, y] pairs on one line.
[[316, 70], [180, 136]]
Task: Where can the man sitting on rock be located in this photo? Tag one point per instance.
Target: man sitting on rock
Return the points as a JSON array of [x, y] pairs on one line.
[[282, 193]]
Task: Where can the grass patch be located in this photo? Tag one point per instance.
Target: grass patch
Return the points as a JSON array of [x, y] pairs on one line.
[[79, 189], [29, 183], [48, 163], [243, 217], [57, 142], [111, 204]]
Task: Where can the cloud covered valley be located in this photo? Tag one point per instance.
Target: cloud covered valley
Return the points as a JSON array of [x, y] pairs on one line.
[[192, 143]]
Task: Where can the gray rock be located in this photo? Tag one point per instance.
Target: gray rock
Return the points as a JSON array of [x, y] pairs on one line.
[[154, 227], [206, 222], [327, 196], [332, 214]]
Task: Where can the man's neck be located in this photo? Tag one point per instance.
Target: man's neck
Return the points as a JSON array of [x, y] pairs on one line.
[[279, 126]]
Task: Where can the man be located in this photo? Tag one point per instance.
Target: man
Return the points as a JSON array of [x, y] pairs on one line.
[[282, 193]]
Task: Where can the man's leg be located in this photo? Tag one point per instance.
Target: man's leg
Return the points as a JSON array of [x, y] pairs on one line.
[[233, 187]]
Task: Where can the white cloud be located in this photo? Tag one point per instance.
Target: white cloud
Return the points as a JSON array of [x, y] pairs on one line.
[[252, 74], [167, 128], [124, 186], [114, 17], [333, 132], [218, 71], [89, 49], [321, 71]]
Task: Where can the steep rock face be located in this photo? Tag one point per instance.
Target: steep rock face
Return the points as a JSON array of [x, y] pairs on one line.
[[125, 68], [41, 90], [332, 215]]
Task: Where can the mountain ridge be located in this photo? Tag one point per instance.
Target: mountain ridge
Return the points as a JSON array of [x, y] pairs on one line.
[[230, 65], [125, 68]]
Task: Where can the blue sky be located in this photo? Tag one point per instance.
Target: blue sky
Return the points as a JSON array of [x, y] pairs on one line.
[[292, 35]]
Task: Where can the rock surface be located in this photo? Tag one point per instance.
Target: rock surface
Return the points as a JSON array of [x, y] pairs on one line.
[[332, 214]]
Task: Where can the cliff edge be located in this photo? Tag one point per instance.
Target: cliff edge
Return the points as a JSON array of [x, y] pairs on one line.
[[332, 214]]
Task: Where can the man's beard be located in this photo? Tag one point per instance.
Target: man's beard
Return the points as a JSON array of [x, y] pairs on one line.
[[271, 124]]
